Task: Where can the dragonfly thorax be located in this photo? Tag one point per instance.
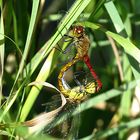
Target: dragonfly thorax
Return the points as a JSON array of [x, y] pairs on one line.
[[82, 46]]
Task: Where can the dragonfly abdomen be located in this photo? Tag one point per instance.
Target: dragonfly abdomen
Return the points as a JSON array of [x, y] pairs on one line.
[[61, 74]]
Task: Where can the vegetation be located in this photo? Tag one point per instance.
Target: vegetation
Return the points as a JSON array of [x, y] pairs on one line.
[[29, 52]]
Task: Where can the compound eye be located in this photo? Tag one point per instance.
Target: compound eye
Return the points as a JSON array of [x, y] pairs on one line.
[[80, 30]]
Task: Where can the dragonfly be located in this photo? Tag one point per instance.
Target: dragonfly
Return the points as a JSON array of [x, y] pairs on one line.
[[82, 44], [69, 128]]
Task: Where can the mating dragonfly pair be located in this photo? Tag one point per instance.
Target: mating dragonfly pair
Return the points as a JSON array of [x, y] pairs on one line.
[[77, 94], [82, 44]]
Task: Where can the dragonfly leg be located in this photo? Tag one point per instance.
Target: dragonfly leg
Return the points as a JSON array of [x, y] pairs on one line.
[[59, 49], [77, 81], [80, 74]]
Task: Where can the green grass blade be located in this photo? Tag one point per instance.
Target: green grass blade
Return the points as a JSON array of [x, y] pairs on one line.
[[126, 99], [15, 27], [2, 48], [102, 134], [120, 27], [35, 90], [12, 96], [29, 38], [97, 11], [30, 34], [113, 13], [12, 100]]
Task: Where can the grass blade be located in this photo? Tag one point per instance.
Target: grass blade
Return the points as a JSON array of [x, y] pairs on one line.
[[2, 48]]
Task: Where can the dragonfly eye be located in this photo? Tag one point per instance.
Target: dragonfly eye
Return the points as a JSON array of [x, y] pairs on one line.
[[79, 29]]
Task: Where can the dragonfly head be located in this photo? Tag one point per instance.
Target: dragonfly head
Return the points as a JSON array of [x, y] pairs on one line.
[[78, 31]]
